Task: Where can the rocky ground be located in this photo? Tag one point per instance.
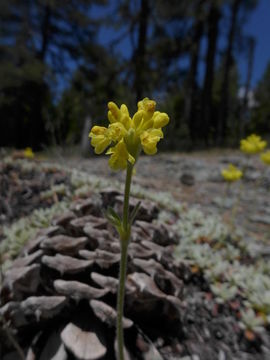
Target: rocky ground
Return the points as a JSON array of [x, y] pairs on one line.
[[195, 179], [198, 286]]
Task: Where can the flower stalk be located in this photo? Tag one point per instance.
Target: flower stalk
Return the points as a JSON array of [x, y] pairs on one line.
[[124, 238], [126, 197], [120, 301]]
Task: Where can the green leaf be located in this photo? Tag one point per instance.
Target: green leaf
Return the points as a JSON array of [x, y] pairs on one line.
[[134, 212], [113, 217], [111, 211]]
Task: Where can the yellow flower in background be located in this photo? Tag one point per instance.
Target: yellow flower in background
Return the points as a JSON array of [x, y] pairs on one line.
[[253, 144], [128, 136], [265, 157], [231, 173], [28, 153]]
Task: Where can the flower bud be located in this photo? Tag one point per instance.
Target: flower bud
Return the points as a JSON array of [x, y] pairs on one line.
[[114, 112], [125, 120], [160, 120], [137, 118], [124, 109], [147, 105]]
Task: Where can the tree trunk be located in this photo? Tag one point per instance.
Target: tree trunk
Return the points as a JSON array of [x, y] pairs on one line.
[[85, 143], [244, 109], [139, 56], [223, 114], [45, 33], [212, 35], [191, 105]]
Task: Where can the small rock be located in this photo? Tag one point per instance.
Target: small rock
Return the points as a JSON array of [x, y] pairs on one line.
[[187, 179], [262, 219], [221, 355]]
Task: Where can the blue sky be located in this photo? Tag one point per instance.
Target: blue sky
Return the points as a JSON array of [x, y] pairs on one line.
[[258, 25]]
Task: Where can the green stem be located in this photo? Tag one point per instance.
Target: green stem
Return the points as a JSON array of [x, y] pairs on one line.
[[123, 265], [226, 194], [126, 198], [120, 301], [235, 206]]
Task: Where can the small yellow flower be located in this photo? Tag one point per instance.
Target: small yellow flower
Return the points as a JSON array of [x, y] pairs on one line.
[[160, 120], [119, 115], [117, 131], [148, 107], [28, 153], [265, 157], [128, 136], [99, 138], [231, 173], [119, 156], [253, 144], [149, 140]]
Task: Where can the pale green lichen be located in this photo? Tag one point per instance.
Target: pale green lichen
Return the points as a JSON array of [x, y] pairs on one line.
[[25, 229], [251, 321], [60, 189], [219, 257]]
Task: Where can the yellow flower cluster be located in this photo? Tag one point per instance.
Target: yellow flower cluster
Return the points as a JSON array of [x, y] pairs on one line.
[[253, 144], [265, 157], [28, 153], [129, 135], [231, 174]]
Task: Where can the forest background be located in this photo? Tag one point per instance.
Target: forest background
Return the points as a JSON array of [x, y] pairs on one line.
[[62, 61]]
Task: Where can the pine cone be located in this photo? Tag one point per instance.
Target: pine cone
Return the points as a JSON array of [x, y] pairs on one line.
[[60, 294]]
